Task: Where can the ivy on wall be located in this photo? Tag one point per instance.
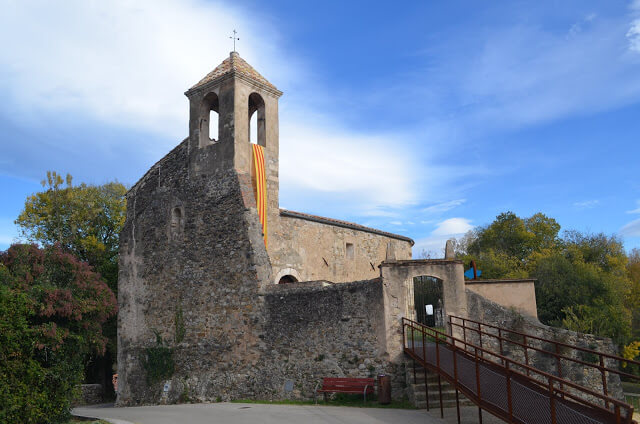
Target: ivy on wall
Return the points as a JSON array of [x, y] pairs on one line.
[[158, 361]]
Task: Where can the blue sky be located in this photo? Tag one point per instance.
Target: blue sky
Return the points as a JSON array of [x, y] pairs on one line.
[[419, 118]]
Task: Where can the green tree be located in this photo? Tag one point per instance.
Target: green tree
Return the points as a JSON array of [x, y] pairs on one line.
[[503, 248], [583, 280], [52, 307], [85, 220], [633, 270]]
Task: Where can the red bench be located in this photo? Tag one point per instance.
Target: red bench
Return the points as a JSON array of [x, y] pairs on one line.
[[362, 386]]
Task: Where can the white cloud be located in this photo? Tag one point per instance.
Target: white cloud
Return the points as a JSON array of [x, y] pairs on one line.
[[370, 172], [632, 229], [587, 204], [634, 36], [128, 64], [444, 207], [124, 63], [524, 75], [434, 245], [452, 226]]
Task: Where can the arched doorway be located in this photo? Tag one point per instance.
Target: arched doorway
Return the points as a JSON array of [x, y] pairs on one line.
[[428, 301], [287, 279]]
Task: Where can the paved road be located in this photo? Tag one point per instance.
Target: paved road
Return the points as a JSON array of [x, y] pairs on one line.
[[239, 413]]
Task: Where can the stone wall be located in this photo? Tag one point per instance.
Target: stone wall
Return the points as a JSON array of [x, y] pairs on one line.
[[318, 251], [484, 310], [194, 281], [517, 294], [90, 394], [318, 329]]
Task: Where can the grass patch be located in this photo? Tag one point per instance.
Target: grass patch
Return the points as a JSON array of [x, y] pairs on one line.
[[340, 399], [430, 334]]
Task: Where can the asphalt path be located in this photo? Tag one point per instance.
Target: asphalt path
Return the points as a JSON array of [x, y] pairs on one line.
[[241, 413]]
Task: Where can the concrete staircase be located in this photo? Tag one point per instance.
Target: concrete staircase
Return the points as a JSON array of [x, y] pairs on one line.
[[417, 392]]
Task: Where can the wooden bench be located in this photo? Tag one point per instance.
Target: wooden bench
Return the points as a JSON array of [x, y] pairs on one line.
[[362, 386]]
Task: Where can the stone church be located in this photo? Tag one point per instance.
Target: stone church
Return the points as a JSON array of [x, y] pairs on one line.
[[206, 251]]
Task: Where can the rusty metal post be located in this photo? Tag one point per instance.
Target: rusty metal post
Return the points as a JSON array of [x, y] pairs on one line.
[[480, 336], [440, 394], [552, 403], [439, 379], [526, 354], [478, 386], [500, 343], [509, 396], [426, 387], [455, 378], [424, 348], [413, 350], [457, 405], [559, 367], [424, 367], [604, 380]]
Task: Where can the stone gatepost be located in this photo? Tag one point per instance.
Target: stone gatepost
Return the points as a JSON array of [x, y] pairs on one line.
[[397, 292]]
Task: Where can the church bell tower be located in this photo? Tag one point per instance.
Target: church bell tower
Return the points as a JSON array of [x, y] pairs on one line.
[[230, 96]]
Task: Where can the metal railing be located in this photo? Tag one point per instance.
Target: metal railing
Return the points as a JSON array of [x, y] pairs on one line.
[[560, 350], [498, 386]]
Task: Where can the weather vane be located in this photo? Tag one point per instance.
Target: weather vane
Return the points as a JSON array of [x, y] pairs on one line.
[[234, 38]]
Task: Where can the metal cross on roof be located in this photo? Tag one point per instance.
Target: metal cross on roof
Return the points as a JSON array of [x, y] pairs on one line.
[[234, 38]]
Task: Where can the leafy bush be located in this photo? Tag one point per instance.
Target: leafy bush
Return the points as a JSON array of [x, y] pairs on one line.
[[52, 307]]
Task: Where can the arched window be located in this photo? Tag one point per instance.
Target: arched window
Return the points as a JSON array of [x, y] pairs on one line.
[[209, 122], [257, 130]]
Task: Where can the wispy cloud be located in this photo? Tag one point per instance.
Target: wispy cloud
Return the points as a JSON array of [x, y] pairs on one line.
[[636, 210], [587, 204], [632, 229], [526, 74], [633, 35], [452, 226], [433, 245], [444, 206], [121, 62]]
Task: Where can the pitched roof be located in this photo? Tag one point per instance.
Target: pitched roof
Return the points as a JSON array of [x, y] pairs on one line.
[[234, 64], [344, 224]]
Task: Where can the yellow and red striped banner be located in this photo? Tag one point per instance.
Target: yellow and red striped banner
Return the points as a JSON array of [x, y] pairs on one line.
[[260, 186]]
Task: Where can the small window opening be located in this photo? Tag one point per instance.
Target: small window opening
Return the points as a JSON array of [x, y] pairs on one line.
[[213, 125], [287, 279], [253, 128], [350, 251], [176, 223]]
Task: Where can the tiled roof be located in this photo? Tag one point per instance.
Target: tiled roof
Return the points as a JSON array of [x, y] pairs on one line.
[[234, 63], [344, 224]]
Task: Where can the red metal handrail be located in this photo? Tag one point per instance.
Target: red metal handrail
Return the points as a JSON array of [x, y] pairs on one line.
[[601, 366], [471, 351]]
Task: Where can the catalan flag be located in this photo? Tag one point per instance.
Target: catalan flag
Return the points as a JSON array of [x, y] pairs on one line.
[[260, 186]]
